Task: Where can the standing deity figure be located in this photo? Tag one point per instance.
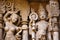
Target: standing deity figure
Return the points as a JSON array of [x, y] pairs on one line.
[[53, 12], [9, 18], [32, 26], [42, 25]]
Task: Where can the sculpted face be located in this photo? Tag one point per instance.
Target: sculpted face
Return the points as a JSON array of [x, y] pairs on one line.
[[54, 6], [42, 16], [42, 13], [14, 17], [54, 3], [33, 16]]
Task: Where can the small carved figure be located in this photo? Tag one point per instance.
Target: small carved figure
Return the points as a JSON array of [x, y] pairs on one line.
[[32, 26]]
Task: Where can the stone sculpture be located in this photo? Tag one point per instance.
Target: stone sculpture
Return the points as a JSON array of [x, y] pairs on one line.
[[32, 26], [42, 25], [53, 8]]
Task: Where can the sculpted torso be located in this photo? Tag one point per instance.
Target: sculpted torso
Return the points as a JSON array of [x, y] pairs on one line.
[[10, 28], [42, 26]]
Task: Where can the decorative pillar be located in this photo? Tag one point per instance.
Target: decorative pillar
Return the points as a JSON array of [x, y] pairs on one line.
[[25, 32], [1, 26], [2, 10], [25, 9]]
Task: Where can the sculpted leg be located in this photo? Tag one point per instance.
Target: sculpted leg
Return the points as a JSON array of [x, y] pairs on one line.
[[49, 36], [55, 36], [43, 37]]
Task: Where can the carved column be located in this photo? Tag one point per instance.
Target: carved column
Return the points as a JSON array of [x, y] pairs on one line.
[[25, 32], [2, 10], [24, 7], [1, 26]]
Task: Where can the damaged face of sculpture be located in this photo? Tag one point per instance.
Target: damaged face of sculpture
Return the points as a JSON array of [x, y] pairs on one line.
[[14, 17], [33, 16], [42, 16], [42, 13], [20, 20]]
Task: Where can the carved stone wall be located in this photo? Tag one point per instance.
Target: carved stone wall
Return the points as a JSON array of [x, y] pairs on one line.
[[23, 20]]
